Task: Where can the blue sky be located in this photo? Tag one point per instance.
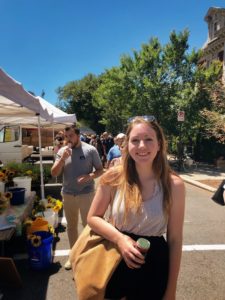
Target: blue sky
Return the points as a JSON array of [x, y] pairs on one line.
[[47, 43]]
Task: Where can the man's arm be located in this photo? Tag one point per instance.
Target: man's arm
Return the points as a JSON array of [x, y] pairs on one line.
[[96, 173], [90, 176], [97, 166], [57, 168], [61, 157]]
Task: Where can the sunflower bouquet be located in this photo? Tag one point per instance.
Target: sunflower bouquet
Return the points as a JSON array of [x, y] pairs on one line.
[[37, 224], [14, 169], [6, 175], [4, 201], [38, 207], [35, 240], [54, 204]]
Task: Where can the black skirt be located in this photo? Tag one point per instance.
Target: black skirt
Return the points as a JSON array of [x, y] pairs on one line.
[[147, 282]]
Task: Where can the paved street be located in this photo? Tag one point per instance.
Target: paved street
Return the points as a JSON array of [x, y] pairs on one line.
[[202, 273]]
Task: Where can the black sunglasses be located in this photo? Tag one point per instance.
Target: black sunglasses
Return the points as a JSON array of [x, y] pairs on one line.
[[150, 118]]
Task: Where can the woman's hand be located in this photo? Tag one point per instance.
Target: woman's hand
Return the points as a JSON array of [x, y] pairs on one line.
[[169, 296], [131, 255]]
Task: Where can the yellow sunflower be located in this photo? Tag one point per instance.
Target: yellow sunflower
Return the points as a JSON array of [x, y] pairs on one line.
[[27, 222], [36, 241], [50, 199], [57, 206], [11, 173], [30, 236], [49, 205], [2, 176], [29, 172], [51, 229], [8, 195]]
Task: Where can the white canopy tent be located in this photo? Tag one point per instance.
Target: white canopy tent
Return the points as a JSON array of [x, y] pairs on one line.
[[17, 106], [58, 116], [55, 116], [15, 101]]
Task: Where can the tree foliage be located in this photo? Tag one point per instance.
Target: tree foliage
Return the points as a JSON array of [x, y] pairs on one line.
[[156, 80], [215, 117], [77, 97]]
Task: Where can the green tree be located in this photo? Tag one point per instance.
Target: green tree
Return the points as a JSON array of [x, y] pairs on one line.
[[215, 117], [157, 80], [77, 97], [110, 99]]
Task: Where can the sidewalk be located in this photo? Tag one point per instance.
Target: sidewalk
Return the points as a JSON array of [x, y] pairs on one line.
[[204, 172]]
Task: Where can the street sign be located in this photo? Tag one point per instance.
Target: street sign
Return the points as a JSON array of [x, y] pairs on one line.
[[180, 116]]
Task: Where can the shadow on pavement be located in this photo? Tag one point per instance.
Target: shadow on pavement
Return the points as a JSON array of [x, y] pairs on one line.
[[34, 283]]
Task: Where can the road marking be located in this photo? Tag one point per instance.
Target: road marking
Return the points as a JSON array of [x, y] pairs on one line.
[[62, 220], [56, 253], [203, 247], [61, 252], [186, 248]]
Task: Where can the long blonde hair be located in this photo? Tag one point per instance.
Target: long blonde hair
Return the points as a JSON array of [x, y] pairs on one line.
[[125, 177]]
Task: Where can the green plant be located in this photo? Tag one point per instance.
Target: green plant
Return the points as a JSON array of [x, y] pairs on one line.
[[25, 169]]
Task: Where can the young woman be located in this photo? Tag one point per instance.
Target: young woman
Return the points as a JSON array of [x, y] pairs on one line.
[[146, 200]]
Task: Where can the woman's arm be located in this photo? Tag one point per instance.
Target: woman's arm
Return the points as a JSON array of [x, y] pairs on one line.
[[95, 220], [175, 235]]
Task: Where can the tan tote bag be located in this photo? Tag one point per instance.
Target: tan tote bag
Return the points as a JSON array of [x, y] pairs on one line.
[[94, 259]]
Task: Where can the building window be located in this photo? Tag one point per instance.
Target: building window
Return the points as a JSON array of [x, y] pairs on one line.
[[215, 26], [220, 56]]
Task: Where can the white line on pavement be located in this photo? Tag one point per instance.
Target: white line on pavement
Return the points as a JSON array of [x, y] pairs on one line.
[[203, 247], [186, 248], [61, 252], [56, 253], [62, 220]]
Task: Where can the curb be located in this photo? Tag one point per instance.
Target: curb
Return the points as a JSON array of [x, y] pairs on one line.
[[198, 184]]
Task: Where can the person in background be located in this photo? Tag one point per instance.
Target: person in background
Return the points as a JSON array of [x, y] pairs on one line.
[[147, 200], [107, 143], [93, 140], [224, 193], [59, 141], [118, 160], [80, 164], [82, 137], [96, 142], [87, 138], [114, 151]]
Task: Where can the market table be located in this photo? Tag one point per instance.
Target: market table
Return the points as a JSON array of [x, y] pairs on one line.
[[8, 271], [17, 212]]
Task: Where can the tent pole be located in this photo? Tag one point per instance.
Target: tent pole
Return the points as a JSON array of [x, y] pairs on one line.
[[41, 163], [53, 143]]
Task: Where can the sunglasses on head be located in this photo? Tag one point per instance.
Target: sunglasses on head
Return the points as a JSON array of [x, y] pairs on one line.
[[150, 118]]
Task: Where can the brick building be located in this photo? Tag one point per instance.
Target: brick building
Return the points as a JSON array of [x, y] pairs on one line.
[[214, 47]]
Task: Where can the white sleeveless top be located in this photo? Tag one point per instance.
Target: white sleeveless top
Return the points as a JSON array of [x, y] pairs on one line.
[[148, 221]]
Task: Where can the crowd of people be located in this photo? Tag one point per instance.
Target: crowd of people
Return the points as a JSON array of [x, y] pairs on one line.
[[146, 199], [107, 145]]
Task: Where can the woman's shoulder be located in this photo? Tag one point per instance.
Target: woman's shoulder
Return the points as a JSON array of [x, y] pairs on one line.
[[111, 175], [176, 181]]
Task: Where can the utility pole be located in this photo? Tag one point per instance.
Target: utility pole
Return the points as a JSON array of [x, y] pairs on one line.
[[42, 93], [180, 119]]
